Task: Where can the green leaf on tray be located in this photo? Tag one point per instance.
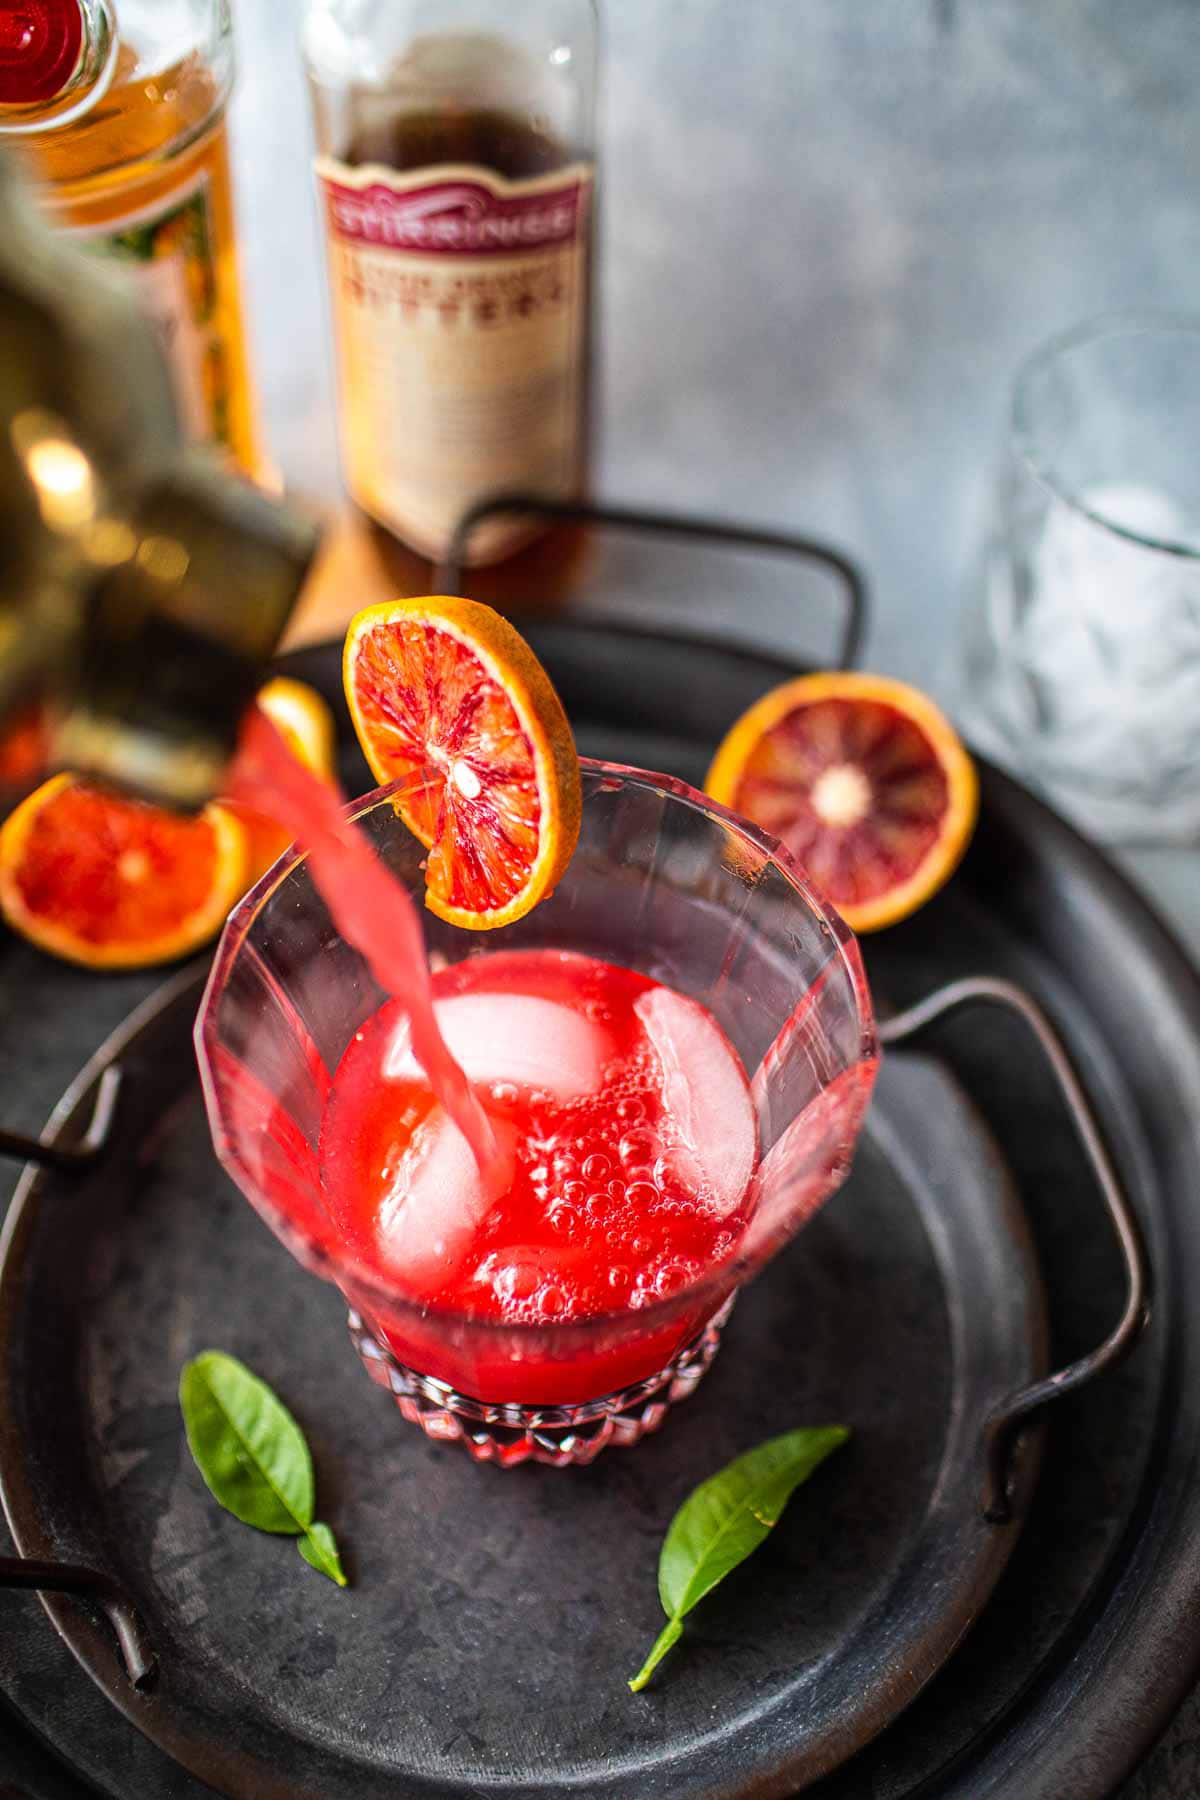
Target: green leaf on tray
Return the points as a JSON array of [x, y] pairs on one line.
[[726, 1518], [253, 1455]]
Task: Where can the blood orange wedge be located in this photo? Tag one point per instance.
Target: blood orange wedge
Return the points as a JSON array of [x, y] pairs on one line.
[[305, 720], [306, 725], [24, 747], [448, 691], [113, 883], [863, 780]]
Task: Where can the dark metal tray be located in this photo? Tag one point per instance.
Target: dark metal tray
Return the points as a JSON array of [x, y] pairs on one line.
[[487, 1637], [527, 1671]]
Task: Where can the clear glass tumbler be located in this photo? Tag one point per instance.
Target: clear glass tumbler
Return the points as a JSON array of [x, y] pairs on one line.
[[1083, 652], [663, 881]]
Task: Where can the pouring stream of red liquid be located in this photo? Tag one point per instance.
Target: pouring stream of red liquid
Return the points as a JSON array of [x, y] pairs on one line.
[[371, 909]]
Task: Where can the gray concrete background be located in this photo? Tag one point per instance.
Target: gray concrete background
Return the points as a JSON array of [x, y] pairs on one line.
[[830, 232]]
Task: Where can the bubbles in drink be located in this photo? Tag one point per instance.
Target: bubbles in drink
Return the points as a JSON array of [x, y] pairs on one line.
[[638, 1149], [515, 1281], [627, 1124], [672, 1275]]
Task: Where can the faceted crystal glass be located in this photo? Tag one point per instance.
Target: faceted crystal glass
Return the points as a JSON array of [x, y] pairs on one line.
[[665, 882]]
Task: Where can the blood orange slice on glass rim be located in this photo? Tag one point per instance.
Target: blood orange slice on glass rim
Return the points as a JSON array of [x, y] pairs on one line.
[[863, 780], [446, 691], [111, 882]]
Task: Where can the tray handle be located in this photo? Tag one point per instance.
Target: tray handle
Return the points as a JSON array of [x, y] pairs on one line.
[[76, 1578], [1003, 1426], [90, 1584], [449, 573], [53, 1155]]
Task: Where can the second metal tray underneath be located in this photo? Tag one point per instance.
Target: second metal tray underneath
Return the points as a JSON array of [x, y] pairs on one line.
[[1091, 1635]]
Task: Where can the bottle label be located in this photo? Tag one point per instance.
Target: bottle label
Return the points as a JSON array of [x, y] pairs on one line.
[[170, 247], [460, 309]]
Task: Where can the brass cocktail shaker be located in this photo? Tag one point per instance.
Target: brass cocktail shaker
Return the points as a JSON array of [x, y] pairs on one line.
[[142, 588]]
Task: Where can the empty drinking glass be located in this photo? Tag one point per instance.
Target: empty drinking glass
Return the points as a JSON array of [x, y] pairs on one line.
[[1083, 652]]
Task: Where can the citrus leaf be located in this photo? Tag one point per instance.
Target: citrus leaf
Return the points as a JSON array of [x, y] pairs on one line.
[[247, 1446], [725, 1519], [319, 1550]]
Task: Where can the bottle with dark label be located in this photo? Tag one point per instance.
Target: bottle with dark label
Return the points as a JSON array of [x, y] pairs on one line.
[[456, 177]]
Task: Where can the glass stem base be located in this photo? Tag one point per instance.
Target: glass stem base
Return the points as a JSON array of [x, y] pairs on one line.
[[560, 1436]]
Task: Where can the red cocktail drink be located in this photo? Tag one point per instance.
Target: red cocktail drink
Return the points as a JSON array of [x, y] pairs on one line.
[[673, 1051], [627, 1140]]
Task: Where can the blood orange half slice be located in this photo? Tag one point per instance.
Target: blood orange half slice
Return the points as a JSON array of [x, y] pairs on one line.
[[863, 780], [113, 883], [447, 691]]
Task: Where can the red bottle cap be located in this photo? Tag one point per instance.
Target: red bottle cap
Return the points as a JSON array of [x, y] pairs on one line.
[[40, 42]]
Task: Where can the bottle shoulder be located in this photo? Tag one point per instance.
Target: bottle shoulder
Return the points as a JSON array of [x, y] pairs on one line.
[[348, 43], [146, 119], [519, 99]]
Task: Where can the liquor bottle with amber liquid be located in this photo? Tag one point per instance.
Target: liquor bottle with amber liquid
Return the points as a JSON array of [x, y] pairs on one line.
[[119, 117], [456, 172]]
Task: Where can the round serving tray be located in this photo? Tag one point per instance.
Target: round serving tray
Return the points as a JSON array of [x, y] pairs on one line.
[[494, 1617]]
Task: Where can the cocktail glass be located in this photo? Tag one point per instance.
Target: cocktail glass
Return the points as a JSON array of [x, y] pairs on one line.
[[663, 881]]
